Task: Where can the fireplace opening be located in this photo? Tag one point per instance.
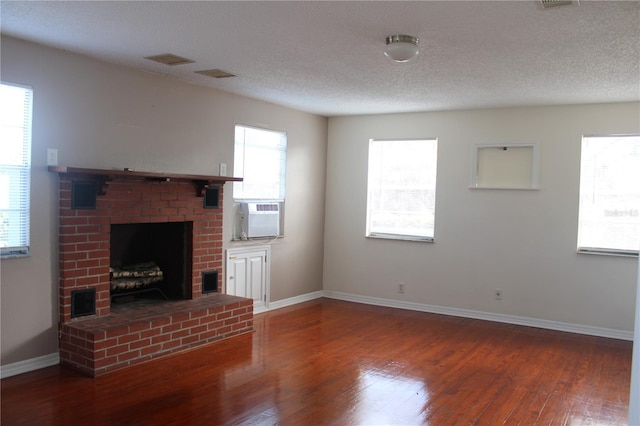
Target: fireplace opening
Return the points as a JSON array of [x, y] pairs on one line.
[[149, 261]]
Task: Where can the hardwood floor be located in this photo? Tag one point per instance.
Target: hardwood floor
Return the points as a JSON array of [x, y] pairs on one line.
[[329, 362]]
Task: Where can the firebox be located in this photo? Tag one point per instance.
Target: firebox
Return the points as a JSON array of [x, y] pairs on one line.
[[149, 261]]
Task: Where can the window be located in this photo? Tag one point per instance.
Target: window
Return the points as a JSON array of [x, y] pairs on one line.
[[609, 212], [401, 194], [260, 158], [15, 169]]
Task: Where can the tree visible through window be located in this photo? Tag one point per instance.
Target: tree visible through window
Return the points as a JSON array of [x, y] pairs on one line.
[[609, 213], [15, 169], [401, 193]]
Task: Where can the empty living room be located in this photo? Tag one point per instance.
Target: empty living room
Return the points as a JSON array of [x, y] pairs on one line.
[[319, 212]]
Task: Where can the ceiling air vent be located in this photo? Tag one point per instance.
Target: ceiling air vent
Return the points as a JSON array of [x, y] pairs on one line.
[[216, 73], [548, 4], [169, 59]]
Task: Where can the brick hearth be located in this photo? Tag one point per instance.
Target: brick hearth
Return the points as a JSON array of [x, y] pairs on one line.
[[114, 338], [131, 336]]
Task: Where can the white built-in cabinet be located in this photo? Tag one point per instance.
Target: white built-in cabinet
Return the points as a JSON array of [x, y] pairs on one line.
[[247, 274]]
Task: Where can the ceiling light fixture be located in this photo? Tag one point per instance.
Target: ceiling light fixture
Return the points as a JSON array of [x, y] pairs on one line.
[[401, 48]]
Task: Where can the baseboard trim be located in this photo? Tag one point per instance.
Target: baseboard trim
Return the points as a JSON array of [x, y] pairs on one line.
[[29, 365], [487, 316], [291, 301]]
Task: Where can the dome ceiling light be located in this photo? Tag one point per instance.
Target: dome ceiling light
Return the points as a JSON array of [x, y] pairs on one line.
[[401, 48]]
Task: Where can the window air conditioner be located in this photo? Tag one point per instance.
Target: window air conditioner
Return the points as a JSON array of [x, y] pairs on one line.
[[260, 219]]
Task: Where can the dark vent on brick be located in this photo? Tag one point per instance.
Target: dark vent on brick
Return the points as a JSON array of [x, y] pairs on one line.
[[83, 195], [211, 197], [210, 282], [83, 302]]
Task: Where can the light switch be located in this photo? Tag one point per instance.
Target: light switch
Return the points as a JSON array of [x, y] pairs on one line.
[[52, 157]]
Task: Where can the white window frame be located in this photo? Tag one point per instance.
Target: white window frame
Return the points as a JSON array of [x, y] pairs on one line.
[[15, 171], [607, 224], [382, 164], [242, 190]]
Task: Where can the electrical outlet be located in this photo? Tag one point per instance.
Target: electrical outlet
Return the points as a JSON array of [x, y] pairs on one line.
[[498, 294], [52, 157], [223, 169], [401, 288]]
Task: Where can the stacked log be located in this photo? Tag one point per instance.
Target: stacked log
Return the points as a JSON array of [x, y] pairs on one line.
[[135, 276]]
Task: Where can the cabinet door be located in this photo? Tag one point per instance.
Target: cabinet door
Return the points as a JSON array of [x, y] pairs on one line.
[[247, 275]]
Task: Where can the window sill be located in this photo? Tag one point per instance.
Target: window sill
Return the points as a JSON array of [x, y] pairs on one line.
[[415, 239], [507, 188], [616, 253], [15, 255], [262, 240]]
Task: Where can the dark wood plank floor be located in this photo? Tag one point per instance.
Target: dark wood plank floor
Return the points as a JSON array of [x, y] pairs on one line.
[[332, 362]]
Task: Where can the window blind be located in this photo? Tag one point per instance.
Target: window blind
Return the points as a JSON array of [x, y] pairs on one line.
[[15, 168], [609, 212], [401, 192], [260, 158]]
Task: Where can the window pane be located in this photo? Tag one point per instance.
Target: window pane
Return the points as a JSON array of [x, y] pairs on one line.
[[609, 216], [12, 146], [260, 159], [402, 188], [12, 96], [15, 161]]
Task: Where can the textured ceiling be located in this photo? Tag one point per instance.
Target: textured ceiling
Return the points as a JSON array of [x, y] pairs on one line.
[[327, 57]]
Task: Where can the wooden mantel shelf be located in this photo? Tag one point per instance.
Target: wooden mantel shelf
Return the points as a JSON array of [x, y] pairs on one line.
[[104, 176]]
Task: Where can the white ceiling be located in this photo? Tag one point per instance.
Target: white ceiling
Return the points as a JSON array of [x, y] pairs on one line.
[[327, 57]]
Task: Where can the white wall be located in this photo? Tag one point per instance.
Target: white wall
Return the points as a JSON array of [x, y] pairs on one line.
[[101, 115], [523, 242]]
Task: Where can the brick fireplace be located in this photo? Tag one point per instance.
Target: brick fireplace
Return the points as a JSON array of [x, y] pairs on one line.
[[97, 336]]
